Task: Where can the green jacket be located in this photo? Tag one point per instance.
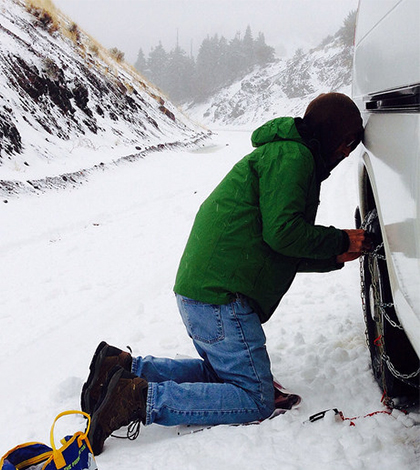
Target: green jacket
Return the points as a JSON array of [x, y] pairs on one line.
[[256, 229]]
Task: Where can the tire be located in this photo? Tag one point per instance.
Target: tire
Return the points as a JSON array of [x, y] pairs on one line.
[[390, 350]]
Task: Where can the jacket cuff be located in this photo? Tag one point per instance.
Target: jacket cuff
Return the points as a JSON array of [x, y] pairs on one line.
[[345, 244]]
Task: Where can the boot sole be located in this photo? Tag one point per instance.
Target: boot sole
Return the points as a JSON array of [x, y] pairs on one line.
[[93, 376]]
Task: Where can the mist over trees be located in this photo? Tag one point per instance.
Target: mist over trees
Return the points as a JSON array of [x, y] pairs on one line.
[[218, 63]]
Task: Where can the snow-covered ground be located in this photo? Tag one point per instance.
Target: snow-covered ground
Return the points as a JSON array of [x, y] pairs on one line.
[[98, 263]]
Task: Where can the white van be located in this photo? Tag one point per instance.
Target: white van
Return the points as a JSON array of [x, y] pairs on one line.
[[386, 88]]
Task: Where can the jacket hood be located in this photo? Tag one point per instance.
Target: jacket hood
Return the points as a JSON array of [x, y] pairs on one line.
[[276, 130], [291, 129]]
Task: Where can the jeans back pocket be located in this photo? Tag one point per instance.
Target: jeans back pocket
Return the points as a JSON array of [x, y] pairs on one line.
[[203, 321]]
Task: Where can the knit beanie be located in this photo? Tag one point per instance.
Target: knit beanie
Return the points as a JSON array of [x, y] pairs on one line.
[[332, 119]]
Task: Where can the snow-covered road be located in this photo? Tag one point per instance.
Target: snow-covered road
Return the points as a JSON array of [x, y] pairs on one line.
[[98, 263]]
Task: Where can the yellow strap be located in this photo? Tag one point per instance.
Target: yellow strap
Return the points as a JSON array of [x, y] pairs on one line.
[[57, 453], [33, 461]]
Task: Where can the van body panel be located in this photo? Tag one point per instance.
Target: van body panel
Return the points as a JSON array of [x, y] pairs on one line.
[[387, 52], [387, 64]]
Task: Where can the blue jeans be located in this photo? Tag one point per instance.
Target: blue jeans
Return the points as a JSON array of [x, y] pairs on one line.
[[231, 383]]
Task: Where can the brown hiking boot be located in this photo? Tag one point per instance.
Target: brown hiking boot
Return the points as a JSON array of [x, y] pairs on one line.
[[104, 359], [123, 401]]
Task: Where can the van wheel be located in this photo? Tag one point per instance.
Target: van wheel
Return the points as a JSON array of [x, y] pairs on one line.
[[392, 356]]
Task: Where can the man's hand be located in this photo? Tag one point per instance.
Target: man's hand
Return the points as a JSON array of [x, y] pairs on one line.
[[359, 243]]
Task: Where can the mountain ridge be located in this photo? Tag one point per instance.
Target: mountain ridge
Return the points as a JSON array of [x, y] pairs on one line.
[[67, 105]]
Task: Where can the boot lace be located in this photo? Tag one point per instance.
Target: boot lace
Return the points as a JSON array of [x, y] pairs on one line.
[[133, 430]]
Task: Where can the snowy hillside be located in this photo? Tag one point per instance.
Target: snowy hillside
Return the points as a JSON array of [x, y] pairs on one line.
[[283, 88], [66, 104]]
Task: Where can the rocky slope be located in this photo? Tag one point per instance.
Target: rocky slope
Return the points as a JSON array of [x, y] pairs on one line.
[[67, 105], [282, 88]]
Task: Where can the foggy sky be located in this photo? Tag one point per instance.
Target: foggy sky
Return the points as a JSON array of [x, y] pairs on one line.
[[133, 24]]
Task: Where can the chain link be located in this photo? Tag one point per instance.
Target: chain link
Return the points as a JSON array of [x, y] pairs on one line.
[[375, 252], [381, 305], [395, 372], [393, 323]]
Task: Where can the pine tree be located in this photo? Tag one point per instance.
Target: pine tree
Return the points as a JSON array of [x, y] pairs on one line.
[[346, 32], [223, 64], [206, 74], [248, 52], [141, 63], [180, 75], [263, 54], [235, 56], [157, 65]]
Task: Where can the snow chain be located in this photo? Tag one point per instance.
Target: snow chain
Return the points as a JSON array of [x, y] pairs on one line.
[[382, 307]]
